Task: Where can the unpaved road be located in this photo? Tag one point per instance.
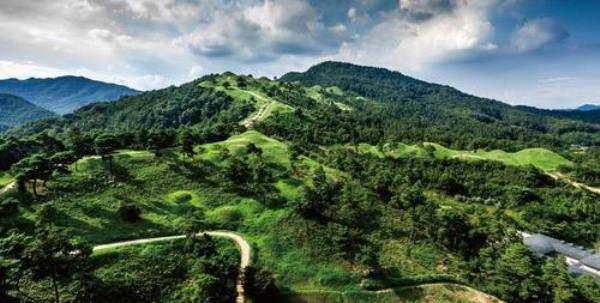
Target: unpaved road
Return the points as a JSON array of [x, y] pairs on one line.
[[258, 116], [559, 176], [7, 187], [241, 243]]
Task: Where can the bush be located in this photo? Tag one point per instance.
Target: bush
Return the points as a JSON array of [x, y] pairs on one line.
[[259, 283], [130, 212], [8, 207]]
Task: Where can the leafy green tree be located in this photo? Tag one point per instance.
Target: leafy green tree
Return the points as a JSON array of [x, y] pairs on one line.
[[186, 141], [105, 145]]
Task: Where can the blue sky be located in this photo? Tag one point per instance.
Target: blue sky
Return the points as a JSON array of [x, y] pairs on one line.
[[544, 53]]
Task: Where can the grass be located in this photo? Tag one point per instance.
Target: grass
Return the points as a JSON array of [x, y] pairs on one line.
[[247, 93], [5, 179], [314, 92], [541, 158]]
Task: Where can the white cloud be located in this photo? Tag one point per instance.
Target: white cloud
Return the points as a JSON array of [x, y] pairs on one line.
[[352, 13], [536, 34], [257, 32], [556, 79], [422, 33]]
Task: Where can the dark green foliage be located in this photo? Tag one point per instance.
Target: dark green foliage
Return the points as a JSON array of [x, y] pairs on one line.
[[415, 111], [8, 207], [16, 111], [130, 212], [171, 107], [259, 284]]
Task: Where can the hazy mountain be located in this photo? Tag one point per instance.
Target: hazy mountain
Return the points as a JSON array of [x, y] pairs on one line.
[[588, 107], [64, 94], [16, 110]]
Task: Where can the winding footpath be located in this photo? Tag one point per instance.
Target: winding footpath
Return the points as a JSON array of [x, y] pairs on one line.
[[559, 176], [241, 243]]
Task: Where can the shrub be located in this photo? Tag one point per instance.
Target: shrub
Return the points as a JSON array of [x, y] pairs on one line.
[[130, 212], [8, 207], [259, 283]]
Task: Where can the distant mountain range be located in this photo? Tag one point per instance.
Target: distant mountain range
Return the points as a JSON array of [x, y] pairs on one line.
[[64, 94], [16, 110], [588, 107]]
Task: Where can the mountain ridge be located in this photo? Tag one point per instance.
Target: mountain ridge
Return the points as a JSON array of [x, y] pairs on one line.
[[588, 107], [15, 110], [65, 93]]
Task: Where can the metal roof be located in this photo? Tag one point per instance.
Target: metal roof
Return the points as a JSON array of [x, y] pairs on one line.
[[543, 244], [592, 261]]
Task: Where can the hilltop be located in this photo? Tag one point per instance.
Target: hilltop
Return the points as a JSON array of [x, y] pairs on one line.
[[64, 94], [15, 111]]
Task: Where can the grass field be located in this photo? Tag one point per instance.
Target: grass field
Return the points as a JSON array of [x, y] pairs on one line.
[[539, 157]]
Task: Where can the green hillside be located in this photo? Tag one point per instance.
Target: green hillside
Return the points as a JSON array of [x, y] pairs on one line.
[[313, 176], [417, 111], [15, 111], [539, 157]]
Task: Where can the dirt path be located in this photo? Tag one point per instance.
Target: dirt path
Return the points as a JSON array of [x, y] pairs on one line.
[[559, 176], [7, 187], [241, 243], [258, 116]]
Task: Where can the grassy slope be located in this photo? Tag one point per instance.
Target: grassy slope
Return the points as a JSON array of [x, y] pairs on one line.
[[168, 188], [251, 91], [539, 157]]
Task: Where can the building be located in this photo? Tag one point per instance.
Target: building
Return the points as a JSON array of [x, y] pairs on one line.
[[579, 260]]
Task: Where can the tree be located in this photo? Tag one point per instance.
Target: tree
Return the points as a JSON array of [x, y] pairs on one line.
[[79, 144], [186, 140], [105, 145], [259, 284], [560, 285], [52, 254], [410, 200], [33, 168], [159, 139]]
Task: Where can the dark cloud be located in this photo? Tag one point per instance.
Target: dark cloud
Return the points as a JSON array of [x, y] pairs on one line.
[[423, 10]]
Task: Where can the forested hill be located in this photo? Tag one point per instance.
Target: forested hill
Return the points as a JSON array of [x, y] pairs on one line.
[[64, 94], [438, 111], [340, 102], [15, 111]]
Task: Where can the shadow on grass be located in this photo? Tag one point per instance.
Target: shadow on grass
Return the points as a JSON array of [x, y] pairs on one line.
[[112, 227]]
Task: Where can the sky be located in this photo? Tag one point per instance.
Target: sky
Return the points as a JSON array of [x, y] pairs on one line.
[[543, 53]]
